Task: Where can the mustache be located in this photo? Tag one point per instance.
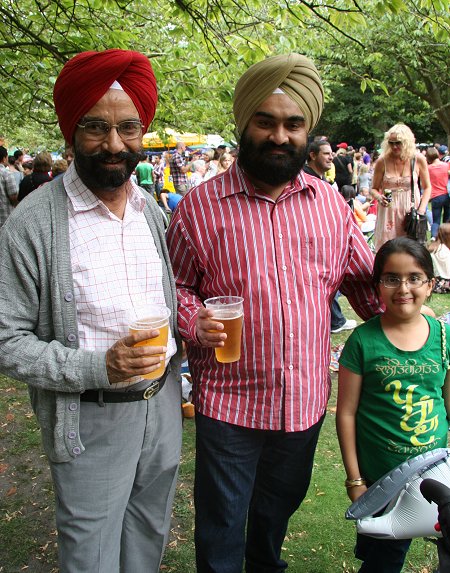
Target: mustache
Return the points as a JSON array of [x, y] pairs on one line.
[[270, 146], [121, 156]]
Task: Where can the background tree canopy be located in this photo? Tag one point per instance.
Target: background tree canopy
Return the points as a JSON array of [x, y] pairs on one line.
[[381, 62]]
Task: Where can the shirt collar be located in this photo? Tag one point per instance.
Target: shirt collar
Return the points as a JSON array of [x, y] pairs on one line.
[[83, 199]]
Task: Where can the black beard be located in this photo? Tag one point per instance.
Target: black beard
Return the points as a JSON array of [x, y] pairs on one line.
[[271, 169], [94, 176]]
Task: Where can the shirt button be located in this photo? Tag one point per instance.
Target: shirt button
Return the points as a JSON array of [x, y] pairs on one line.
[[284, 267], [68, 297], [76, 450], [72, 435], [73, 406], [280, 235], [291, 367], [288, 301], [71, 337], [291, 335]]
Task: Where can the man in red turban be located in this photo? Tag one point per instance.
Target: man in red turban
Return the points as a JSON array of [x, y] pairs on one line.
[[84, 258], [88, 76]]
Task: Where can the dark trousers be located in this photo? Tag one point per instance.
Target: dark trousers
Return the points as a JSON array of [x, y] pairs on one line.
[[248, 476], [381, 555], [337, 318], [439, 205]]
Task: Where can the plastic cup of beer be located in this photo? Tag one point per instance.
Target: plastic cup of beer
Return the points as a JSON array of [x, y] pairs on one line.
[[151, 317], [228, 310]]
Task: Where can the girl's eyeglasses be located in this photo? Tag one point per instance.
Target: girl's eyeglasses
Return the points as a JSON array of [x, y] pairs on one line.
[[395, 282]]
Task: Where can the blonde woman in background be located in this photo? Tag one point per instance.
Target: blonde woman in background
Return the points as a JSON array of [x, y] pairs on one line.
[[225, 160], [392, 174]]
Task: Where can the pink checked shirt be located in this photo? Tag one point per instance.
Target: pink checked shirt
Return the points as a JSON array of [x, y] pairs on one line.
[[287, 258], [115, 264]]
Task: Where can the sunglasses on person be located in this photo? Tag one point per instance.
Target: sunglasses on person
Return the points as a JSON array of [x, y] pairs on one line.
[[394, 142]]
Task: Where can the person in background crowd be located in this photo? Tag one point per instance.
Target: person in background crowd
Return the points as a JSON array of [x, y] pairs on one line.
[[359, 210], [8, 187], [364, 181], [179, 168], [225, 160], [393, 172], [210, 157], [27, 168], [223, 149], [318, 162], [42, 165], [158, 173], [365, 155], [169, 200], [59, 167], [80, 257], [343, 164], [258, 231], [19, 158], [357, 163], [440, 254], [199, 168], [144, 174], [18, 175], [439, 173], [68, 154], [443, 153]]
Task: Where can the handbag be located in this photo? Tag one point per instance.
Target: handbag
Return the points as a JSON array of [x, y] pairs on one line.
[[415, 224]]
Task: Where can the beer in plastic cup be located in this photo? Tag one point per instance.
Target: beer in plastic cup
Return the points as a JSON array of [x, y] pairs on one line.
[[153, 316], [229, 311]]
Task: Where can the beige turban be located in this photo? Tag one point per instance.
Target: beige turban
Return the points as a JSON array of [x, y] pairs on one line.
[[294, 74]]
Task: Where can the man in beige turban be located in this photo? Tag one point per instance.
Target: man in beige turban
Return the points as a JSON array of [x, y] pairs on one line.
[[284, 242]]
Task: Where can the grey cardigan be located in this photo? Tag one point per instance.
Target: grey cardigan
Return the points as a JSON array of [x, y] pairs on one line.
[[38, 324]]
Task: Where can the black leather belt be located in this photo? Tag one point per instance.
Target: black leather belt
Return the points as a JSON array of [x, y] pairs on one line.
[[105, 397]]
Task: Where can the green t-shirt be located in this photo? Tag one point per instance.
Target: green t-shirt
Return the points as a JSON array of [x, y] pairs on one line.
[[144, 173], [401, 412]]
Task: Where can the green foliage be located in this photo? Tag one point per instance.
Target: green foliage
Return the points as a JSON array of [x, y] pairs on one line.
[[200, 47]]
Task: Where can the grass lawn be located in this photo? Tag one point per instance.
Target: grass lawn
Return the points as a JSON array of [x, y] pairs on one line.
[[319, 539]]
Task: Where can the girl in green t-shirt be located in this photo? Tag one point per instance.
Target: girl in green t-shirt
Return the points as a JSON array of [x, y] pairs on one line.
[[393, 397]]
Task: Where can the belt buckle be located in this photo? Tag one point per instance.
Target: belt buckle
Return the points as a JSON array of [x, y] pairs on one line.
[[151, 391]]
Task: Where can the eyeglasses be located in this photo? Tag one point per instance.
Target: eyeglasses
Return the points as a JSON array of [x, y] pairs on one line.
[[395, 142], [98, 129], [412, 283]]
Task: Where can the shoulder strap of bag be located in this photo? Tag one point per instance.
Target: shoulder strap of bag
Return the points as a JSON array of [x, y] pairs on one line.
[[445, 363], [413, 166]]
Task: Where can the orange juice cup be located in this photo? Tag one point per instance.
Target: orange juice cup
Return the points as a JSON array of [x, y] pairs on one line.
[[153, 316], [228, 310]]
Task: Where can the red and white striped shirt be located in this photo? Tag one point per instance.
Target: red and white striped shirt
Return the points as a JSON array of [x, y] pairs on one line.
[[286, 258]]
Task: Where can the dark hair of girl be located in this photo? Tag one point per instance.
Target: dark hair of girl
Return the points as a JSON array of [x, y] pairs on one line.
[[405, 245]]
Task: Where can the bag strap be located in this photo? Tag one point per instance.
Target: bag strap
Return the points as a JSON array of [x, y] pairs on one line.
[[445, 363], [413, 167]]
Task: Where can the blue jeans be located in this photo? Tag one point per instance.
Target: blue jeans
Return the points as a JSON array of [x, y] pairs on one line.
[[258, 477], [381, 555], [337, 318], [439, 204]]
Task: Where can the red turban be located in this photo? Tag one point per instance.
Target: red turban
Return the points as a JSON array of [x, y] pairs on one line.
[[87, 77]]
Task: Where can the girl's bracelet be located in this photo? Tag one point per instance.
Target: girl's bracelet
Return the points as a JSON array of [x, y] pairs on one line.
[[354, 482]]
